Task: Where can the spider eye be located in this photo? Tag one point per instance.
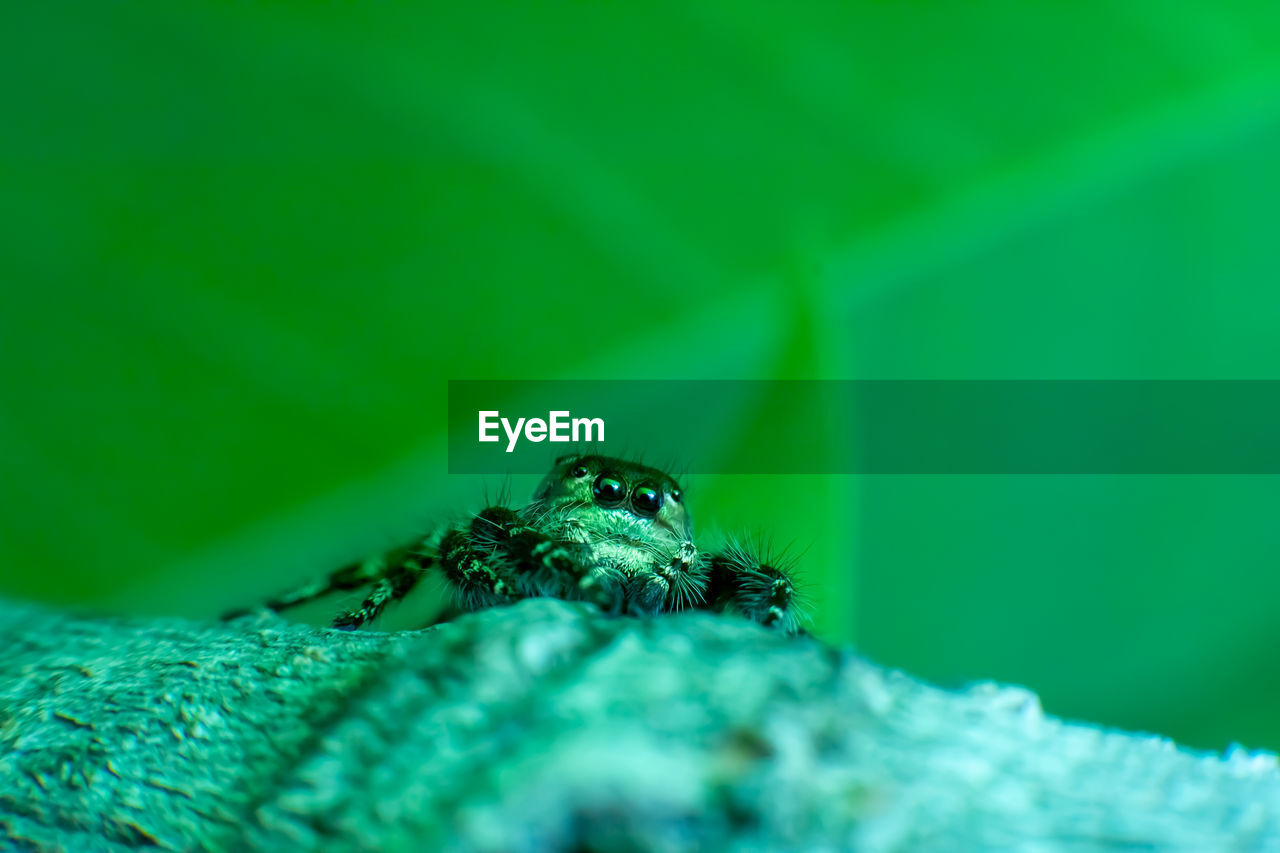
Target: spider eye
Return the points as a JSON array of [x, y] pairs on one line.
[[578, 471], [675, 495], [646, 500], [608, 490]]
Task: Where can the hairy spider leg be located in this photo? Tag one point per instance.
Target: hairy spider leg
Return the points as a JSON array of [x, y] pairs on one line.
[[686, 579], [348, 577], [540, 564], [676, 581], [397, 582], [760, 591], [467, 559]]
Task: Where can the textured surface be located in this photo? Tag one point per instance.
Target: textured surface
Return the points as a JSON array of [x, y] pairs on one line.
[[547, 725]]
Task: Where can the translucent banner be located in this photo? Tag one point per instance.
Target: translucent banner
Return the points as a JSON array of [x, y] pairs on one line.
[[872, 427]]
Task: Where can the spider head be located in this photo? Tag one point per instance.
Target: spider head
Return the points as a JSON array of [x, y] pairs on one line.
[[610, 484]]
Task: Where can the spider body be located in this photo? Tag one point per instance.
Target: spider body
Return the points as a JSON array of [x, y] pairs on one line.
[[599, 529]]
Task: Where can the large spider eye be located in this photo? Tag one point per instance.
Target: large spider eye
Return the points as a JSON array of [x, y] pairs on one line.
[[646, 500], [578, 471], [608, 490]]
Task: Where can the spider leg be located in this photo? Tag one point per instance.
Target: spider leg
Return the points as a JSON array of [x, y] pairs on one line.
[[348, 577], [741, 581], [686, 577], [541, 565], [399, 579], [471, 560], [547, 567], [677, 581]]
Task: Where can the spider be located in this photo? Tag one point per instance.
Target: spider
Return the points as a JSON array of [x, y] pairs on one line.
[[600, 529]]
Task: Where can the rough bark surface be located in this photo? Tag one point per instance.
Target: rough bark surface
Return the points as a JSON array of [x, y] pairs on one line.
[[549, 725]]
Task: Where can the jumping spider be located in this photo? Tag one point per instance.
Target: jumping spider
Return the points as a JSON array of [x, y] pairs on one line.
[[598, 529]]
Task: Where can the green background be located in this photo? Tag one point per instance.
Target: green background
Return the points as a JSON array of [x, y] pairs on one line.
[[245, 245]]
